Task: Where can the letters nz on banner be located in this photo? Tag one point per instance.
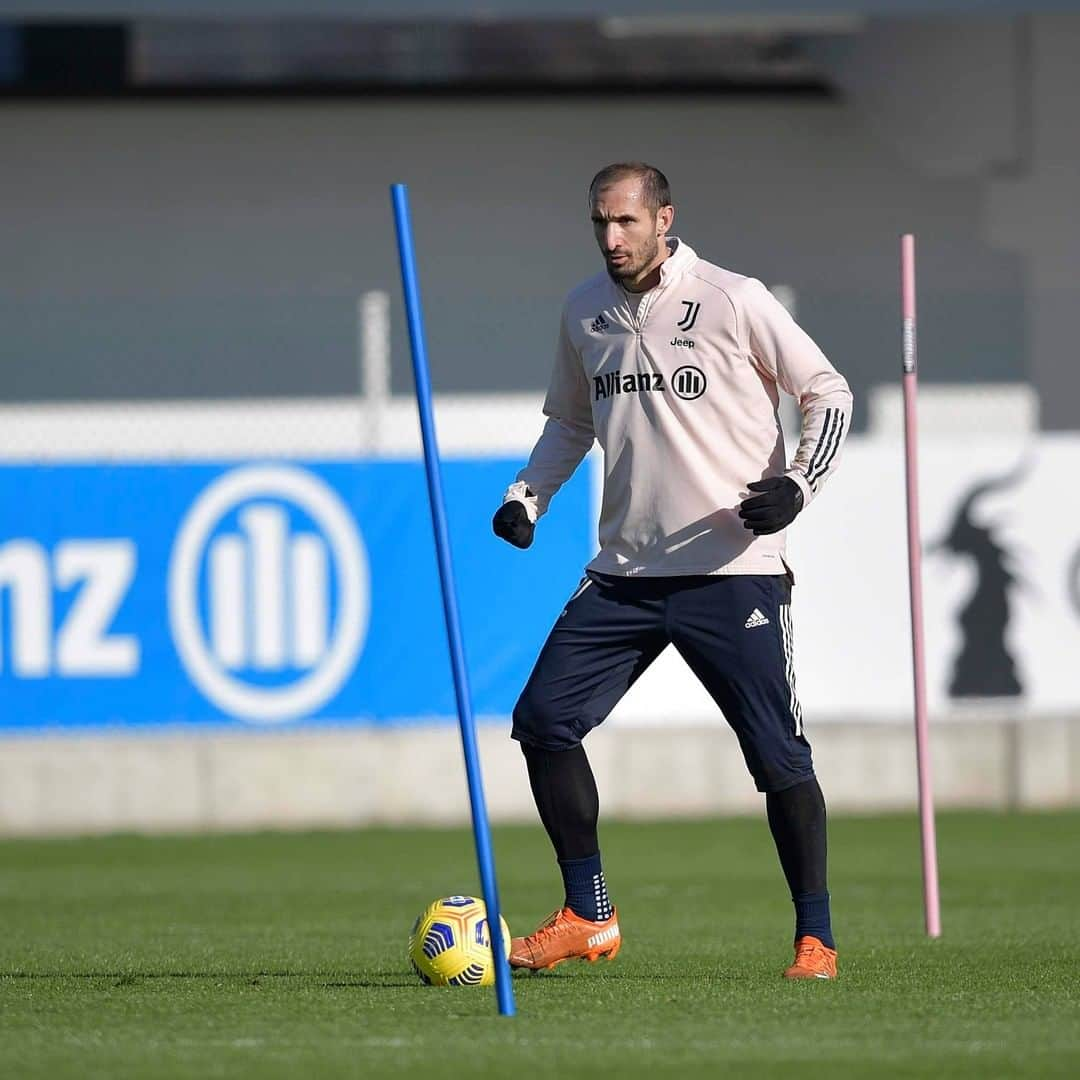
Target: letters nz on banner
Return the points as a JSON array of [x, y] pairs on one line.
[[143, 595]]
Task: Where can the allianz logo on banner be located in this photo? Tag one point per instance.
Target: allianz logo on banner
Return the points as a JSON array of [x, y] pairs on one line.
[[268, 594]]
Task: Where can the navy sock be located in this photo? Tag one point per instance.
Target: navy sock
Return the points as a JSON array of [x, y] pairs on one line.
[[812, 917], [586, 890]]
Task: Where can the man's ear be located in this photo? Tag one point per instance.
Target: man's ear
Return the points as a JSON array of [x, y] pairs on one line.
[[664, 217]]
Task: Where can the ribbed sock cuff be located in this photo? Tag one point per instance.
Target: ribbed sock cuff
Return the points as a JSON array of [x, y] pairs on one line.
[[586, 890]]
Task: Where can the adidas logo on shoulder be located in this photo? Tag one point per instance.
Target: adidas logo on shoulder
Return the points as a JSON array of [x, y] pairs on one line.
[[756, 619]]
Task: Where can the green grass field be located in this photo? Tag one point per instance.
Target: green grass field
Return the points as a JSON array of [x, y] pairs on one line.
[[284, 955]]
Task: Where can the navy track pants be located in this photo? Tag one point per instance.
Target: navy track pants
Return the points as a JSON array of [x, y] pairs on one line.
[[734, 631]]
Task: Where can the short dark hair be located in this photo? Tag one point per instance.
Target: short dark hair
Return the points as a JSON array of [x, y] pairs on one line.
[[654, 184]]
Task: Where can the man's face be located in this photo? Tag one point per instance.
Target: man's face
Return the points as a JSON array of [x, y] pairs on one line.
[[628, 232]]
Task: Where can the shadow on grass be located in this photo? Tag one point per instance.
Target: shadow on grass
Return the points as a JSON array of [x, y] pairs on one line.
[[376, 982], [335, 980], [128, 978]]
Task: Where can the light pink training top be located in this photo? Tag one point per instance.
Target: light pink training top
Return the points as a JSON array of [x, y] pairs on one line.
[[679, 386]]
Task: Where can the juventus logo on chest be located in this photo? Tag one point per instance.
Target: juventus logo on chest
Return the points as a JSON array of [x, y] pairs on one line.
[[690, 317]]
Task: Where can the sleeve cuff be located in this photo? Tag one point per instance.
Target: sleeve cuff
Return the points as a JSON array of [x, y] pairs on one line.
[[519, 492], [804, 487]]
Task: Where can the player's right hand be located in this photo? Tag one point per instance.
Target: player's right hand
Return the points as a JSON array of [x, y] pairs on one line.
[[511, 523]]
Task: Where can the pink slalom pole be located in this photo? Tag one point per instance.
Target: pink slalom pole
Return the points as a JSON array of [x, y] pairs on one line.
[[931, 898]]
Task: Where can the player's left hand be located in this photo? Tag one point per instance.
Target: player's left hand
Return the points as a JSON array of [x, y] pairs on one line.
[[777, 501]]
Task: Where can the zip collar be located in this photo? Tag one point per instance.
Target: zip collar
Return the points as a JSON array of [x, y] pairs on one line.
[[681, 257], [678, 262]]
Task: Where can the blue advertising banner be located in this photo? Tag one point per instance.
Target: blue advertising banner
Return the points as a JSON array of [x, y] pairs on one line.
[[265, 593]]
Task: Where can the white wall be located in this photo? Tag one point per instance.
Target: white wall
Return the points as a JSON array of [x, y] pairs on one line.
[[297, 780]]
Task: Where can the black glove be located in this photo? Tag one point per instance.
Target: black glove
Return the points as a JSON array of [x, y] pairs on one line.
[[774, 508], [511, 523]]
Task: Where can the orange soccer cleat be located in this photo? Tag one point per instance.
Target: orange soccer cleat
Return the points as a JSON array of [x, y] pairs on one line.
[[564, 936], [813, 960]]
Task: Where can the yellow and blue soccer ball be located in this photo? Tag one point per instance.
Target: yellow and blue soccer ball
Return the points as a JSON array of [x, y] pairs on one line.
[[450, 944]]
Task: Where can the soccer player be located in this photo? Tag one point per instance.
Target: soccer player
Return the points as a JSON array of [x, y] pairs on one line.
[[673, 365]]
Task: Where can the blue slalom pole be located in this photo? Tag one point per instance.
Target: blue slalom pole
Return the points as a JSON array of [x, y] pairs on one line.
[[410, 284]]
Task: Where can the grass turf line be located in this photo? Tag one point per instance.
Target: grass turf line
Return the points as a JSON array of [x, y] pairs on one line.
[[278, 955]]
